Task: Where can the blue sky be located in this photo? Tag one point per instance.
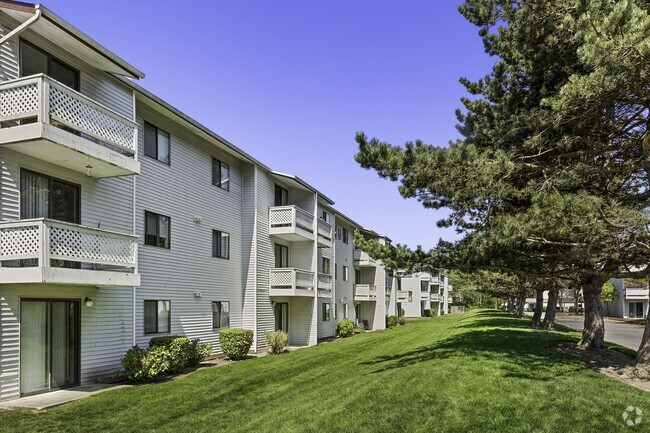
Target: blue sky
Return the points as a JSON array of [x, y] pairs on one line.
[[290, 82]]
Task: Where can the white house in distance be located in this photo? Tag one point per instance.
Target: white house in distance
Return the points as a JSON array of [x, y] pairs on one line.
[[632, 299], [421, 291], [121, 219]]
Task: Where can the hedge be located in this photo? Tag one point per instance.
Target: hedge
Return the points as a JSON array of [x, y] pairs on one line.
[[235, 343]]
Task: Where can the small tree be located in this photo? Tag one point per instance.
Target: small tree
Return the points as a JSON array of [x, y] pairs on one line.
[[608, 294]]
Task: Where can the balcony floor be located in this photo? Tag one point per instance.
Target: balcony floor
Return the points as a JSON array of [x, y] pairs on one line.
[[49, 143], [67, 276]]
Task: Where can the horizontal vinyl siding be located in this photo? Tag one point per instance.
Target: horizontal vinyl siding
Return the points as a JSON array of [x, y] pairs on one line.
[[106, 330], [301, 311], [8, 51], [249, 248], [182, 191], [265, 256], [105, 203]]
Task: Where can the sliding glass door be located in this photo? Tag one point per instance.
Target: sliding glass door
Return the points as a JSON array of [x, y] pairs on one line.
[[49, 345]]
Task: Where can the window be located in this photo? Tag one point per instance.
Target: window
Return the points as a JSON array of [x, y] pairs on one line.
[[220, 244], [345, 236], [33, 60], [336, 271], [399, 284], [357, 276], [345, 273], [410, 296], [156, 143], [281, 196], [281, 256], [345, 311], [220, 315], [326, 312], [156, 230], [43, 196], [220, 174], [424, 286], [325, 216], [157, 317], [326, 265], [336, 311]]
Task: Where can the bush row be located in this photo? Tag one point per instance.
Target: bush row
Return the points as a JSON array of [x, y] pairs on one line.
[[393, 321], [165, 355]]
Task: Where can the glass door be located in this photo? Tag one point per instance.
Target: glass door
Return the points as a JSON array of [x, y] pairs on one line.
[[49, 345], [282, 317]]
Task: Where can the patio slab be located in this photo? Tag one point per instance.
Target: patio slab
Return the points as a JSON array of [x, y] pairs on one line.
[[56, 398]]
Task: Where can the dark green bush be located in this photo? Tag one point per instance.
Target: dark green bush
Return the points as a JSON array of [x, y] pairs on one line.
[[198, 352], [345, 328], [278, 341], [401, 312], [163, 341], [428, 312], [140, 365], [235, 343], [572, 309], [391, 321], [401, 320]]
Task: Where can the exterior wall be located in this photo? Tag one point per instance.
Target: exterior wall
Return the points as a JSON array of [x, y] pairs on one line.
[[106, 330], [183, 190], [411, 284], [95, 84], [328, 328], [344, 256]]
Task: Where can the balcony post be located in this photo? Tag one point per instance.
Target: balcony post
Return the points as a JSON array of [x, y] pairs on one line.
[[44, 253]]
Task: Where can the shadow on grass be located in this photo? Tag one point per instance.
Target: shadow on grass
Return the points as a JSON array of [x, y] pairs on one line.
[[507, 343]]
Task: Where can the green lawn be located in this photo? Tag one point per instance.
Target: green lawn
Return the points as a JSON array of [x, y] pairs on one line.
[[476, 372]]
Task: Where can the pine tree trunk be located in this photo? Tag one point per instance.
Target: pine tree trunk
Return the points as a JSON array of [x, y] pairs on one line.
[[539, 307], [551, 306], [520, 303], [643, 354], [593, 333]]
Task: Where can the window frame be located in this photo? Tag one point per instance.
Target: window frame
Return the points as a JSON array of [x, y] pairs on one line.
[[346, 311], [326, 309], [281, 249], [216, 244], [326, 269], [169, 316], [50, 59], [221, 313], [217, 171], [169, 234], [281, 190], [346, 273], [346, 238], [157, 144]]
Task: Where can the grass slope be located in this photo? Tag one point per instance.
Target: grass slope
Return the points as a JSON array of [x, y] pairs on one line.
[[480, 371]]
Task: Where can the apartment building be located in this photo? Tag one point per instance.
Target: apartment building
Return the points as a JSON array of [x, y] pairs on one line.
[[121, 219], [632, 299], [421, 291]]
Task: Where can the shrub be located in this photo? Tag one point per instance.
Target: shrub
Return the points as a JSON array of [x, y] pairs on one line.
[[163, 341], [572, 309], [430, 312], [278, 341], [391, 321], [401, 320], [345, 328], [198, 352], [140, 365], [359, 328], [235, 343], [401, 312]]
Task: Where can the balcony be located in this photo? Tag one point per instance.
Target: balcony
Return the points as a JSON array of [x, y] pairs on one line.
[[324, 285], [363, 260], [324, 231], [435, 281], [435, 297], [424, 295], [636, 293], [54, 252], [290, 282], [403, 296], [291, 223], [47, 120], [365, 292]]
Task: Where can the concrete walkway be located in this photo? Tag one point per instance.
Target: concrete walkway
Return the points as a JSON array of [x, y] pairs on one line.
[[56, 398]]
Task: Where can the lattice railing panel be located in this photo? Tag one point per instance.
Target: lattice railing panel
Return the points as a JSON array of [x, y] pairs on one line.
[[281, 278], [91, 247], [281, 216], [19, 242], [16, 101], [79, 114]]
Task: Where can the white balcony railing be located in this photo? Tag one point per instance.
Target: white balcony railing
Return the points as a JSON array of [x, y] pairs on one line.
[[636, 293], [325, 282], [365, 292], [435, 280], [290, 282], [51, 102], [361, 258], [403, 295], [436, 297], [324, 230], [291, 222]]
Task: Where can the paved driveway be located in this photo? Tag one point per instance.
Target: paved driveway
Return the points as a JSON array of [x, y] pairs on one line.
[[624, 334]]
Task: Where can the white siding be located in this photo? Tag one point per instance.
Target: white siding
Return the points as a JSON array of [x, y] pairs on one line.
[[183, 190], [106, 330], [8, 51]]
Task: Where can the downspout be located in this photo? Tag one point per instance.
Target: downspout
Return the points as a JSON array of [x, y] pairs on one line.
[[21, 28]]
